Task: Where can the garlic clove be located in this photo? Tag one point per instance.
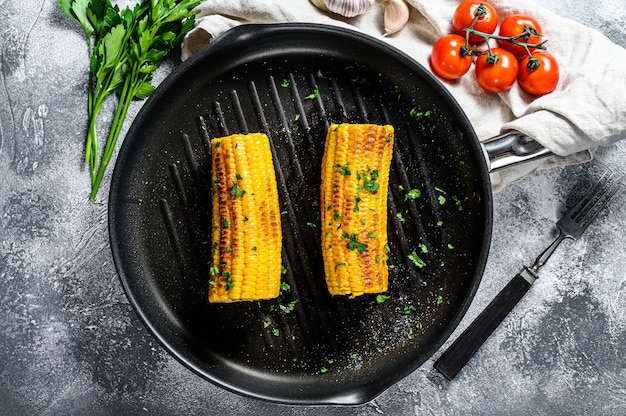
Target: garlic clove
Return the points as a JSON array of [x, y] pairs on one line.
[[396, 16], [345, 8], [320, 4]]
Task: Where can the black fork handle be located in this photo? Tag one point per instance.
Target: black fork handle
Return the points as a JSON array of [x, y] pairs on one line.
[[474, 336]]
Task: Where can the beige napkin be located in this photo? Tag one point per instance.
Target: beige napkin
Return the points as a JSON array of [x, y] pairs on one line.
[[587, 110]]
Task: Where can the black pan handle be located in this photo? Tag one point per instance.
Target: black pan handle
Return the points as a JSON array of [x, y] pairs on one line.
[[466, 345]]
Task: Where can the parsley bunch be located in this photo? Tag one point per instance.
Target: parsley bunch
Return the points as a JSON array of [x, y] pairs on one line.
[[125, 48]]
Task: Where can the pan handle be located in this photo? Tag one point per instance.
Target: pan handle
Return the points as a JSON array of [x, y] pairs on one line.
[[475, 335], [512, 148]]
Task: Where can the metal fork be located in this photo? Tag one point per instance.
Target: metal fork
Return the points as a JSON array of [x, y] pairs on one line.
[[571, 225]]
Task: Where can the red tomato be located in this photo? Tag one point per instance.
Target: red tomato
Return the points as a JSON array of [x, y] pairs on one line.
[[447, 60], [515, 25], [541, 80], [464, 16], [499, 76]]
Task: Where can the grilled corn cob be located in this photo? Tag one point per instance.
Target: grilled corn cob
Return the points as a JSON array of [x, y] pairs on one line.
[[246, 236], [355, 178]]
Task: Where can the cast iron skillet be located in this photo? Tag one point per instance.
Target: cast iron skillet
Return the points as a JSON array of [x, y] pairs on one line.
[[291, 81]]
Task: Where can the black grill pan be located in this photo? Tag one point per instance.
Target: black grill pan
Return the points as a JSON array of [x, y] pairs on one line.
[[291, 81]]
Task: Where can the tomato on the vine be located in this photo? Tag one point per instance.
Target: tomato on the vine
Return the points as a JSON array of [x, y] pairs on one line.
[[447, 58], [499, 76], [464, 16], [541, 80], [515, 25]]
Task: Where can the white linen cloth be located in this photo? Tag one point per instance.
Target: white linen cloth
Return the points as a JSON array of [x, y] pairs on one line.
[[587, 110]]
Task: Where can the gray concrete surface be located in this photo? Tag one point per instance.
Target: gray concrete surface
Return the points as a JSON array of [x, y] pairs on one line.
[[70, 343]]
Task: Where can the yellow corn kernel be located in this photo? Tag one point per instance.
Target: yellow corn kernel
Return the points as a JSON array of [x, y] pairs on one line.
[[247, 235], [355, 178]]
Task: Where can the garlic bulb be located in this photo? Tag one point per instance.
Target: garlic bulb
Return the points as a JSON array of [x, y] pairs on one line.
[[396, 16], [346, 8]]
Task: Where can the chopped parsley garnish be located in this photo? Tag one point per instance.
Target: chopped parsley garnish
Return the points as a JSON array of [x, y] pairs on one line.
[[381, 298], [285, 286], [408, 310], [267, 323], [439, 300], [413, 194], [369, 177], [236, 191], [290, 306], [343, 263], [400, 217], [423, 247], [354, 243], [457, 202], [416, 260], [285, 83], [275, 332], [313, 94]]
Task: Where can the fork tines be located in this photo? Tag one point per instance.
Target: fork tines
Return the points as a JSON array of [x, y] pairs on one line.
[[594, 201]]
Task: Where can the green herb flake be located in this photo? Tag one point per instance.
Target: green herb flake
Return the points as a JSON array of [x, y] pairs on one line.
[[450, 246], [407, 310], [285, 287], [458, 203], [423, 248], [311, 224], [267, 323], [323, 370], [320, 74], [285, 83], [296, 117], [400, 217], [283, 270], [381, 299], [313, 94], [343, 263], [213, 271], [439, 223], [289, 307], [417, 261], [410, 334], [441, 199], [413, 194], [236, 191], [275, 332], [439, 300], [354, 243]]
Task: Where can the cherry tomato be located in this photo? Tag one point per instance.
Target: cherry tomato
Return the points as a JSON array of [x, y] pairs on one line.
[[447, 60], [499, 76], [541, 80], [514, 25], [464, 16]]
